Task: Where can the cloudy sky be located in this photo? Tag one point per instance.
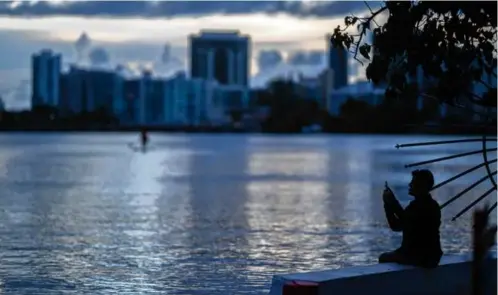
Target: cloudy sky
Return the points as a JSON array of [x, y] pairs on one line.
[[286, 35]]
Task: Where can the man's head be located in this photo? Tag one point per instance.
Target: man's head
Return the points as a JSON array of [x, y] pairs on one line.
[[422, 182]]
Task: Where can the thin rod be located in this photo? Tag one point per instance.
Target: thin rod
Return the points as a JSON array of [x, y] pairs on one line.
[[441, 142], [491, 208], [473, 203], [465, 190], [462, 174], [449, 157], [485, 158]]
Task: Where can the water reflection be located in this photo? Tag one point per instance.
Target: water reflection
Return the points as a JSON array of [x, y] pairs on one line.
[[286, 211], [203, 214], [217, 227], [357, 207]]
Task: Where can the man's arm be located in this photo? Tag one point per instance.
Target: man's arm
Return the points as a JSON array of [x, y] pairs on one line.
[[394, 212], [396, 206]]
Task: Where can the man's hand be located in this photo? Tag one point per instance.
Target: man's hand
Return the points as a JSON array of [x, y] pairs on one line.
[[387, 196]]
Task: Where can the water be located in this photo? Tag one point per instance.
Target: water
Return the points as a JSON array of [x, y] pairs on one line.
[[203, 214]]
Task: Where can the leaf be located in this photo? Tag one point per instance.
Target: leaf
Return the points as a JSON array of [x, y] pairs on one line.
[[454, 43], [365, 50]]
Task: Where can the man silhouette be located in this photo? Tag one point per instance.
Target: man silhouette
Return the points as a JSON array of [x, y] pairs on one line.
[[419, 222]]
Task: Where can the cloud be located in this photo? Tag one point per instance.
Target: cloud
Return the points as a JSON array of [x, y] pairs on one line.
[[18, 96], [81, 45], [168, 9], [285, 70], [314, 57], [166, 55], [309, 63], [268, 59], [99, 57]]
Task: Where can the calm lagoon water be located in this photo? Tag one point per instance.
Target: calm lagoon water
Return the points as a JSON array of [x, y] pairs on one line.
[[204, 214]]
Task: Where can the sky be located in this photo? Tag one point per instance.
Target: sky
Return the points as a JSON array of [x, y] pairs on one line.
[[286, 35]]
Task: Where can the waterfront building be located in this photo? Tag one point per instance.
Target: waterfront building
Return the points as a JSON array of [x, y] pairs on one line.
[[45, 72], [193, 101], [105, 90], [64, 105], [223, 56], [92, 89], [72, 92], [326, 78], [233, 97], [175, 105], [143, 100], [155, 98], [132, 98], [338, 62]]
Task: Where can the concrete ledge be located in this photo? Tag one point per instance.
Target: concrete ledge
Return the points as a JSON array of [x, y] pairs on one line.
[[451, 277]]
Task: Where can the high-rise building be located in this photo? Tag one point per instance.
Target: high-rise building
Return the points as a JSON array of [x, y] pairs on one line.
[[104, 90], [326, 87], [175, 105], [64, 105], [338, 62], [154, 91], [132, 100], [90, 89], [45, 70], [223, 56]]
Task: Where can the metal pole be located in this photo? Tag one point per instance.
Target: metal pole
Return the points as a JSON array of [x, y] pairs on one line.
[[473, 203], [449, 157], [441, 142], [485, 158], [466, 190], [491, 208], [462, 174]]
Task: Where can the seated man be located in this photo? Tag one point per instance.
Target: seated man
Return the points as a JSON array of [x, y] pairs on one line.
[[419, 222]]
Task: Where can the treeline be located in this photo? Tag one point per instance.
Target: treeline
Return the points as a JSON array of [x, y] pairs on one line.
[[291, 113], [47, 117]]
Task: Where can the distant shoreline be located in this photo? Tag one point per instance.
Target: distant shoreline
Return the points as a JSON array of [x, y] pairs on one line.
[[408, 130]]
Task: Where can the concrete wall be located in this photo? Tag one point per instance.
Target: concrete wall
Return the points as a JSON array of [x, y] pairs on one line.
[[452, 277]]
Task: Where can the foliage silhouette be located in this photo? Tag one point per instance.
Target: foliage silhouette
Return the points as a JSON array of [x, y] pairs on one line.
[[453, 42], [288, 111]]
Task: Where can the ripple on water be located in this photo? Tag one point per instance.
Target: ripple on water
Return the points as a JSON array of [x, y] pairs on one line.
[[200, 214]]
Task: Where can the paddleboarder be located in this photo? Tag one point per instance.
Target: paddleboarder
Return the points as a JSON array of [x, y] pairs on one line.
[[144, 138]]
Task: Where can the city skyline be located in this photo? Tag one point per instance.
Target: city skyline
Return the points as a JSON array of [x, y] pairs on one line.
[[141, 39]]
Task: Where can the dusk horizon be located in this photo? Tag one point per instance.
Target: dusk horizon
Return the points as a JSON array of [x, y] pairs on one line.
[[286, 37]]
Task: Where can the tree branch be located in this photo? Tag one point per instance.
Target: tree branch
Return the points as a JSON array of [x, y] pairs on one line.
[[364, 29], [371, 11]]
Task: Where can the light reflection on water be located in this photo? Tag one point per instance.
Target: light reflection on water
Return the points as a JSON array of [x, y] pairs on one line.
[[205, 214]]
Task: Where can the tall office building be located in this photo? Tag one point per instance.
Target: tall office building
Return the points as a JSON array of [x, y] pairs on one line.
[[338, 62], [64, 104], [45, 70], [223, 56], [87, 90]]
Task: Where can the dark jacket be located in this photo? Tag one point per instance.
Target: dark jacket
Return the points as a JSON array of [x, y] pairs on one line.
[[419, 222]]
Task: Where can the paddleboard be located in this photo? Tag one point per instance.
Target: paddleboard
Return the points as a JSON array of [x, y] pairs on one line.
[[138, 148]]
